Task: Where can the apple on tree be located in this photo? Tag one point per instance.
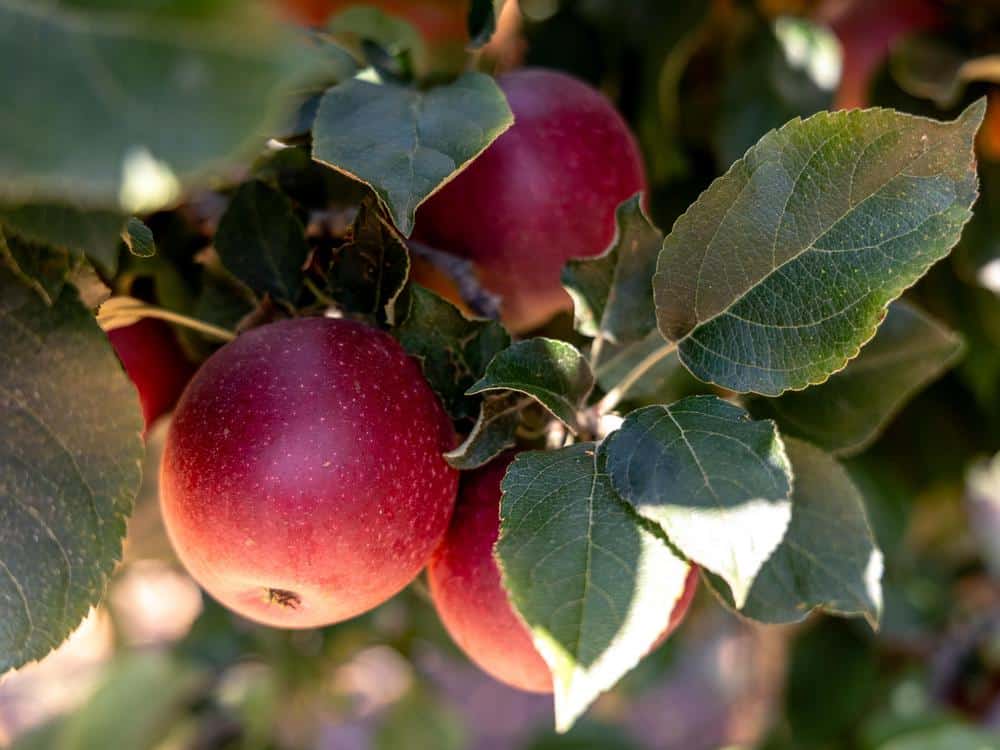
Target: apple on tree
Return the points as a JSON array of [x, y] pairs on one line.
[[468, 594], [544, 192], [303, 481]]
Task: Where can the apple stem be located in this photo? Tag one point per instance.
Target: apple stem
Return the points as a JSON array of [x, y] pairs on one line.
[[118, 312], [615, 395]]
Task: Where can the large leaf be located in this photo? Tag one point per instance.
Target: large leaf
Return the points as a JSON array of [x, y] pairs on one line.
[[405, 143], [69, 468], [262, 242], [847, 412], [102, 107], [612, 294], [552, 372], [595, 588], [782, 269], [97, 234], [828, 558], [453, 350], [717, 483]]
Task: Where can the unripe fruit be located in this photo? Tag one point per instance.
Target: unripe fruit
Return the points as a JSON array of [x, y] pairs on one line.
[[155, 364], [302, 481], [544, 192], [470, 599]]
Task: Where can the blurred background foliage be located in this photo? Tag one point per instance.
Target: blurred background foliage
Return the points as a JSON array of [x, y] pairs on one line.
[[159, 666]]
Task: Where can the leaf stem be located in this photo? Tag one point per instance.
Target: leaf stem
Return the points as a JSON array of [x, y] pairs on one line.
[[318, 293], [615, 395], [143, 310]]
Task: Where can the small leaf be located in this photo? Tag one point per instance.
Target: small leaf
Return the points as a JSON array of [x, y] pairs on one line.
[[96, 234], [69, 468], [453, 351], [493, 433], [828, 559], [369, 272], [138, 239], [43, 268], [261, 241], [782, 269], [717, 483], [404, 143], [848, 411], [483, 15], [138, 86], [594, 587], [612, 294], [552, 372]]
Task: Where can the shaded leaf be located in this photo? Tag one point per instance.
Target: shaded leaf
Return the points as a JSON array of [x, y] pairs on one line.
[[96, 234], [138, 239], [932, 68], [404, 143], [43, 268], [594, 587], [261, 241], [664, 382], [717, 483], [952, 736], [552, 372], [848, 411], [453, 351], [69, 468], [828, 558], [783, 268], [483, 15], [613, 294], [134, 83], [494, 432]]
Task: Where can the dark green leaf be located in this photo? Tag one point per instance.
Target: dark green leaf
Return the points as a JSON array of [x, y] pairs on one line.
[[404, 143], [932, 68], [96, 234], [139, 239], [717, 483], [452, 350], [369, 272], [594, 587], [977, 256], [103, 106], [848, 411], [493, 433], [41, 267], [783, 268], [261, 241], [69, 468], [552, 372], [828, 558], [483, 15], [664, 382], [613, 293]]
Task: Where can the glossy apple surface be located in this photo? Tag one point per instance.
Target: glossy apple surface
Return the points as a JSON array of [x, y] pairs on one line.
[[155, 364], [302, 481], [544, 192], [468, 595]]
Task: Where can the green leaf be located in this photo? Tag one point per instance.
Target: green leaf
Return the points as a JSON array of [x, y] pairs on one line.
[[404, 143], [828, 558], [369, 272], [138, 239], [96, 234], [847, 412], [420, 720], [612, 294], [665, 382], [261, 241], [102, 106], [932, 68], [494, 432], [483, 15], [782, 269], [43, 268], [69, 468], [452, 350], [595, 588], [552, 372], [945, 737], [717, 483]]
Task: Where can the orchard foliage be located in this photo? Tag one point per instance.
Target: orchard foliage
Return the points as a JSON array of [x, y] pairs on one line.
[[206, 166]]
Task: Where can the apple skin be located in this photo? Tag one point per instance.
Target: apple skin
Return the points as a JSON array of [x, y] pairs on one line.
[[470, 600], [155, 363], [302, 480], [544, 192], [438, 21]]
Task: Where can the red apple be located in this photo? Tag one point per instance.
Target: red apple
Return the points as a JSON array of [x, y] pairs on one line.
[[438, 21], [465, 585], [154, 362], [302, 481], [544, 192]]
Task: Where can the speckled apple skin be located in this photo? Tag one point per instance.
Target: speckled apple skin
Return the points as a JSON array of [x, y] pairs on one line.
[[470, 600], [302, 481], [544, 192]]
